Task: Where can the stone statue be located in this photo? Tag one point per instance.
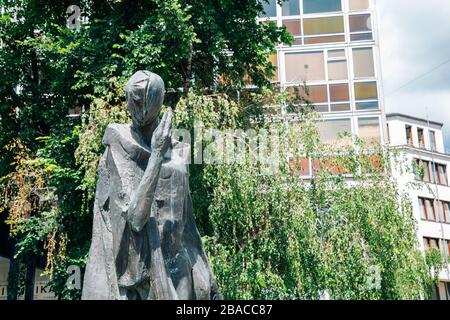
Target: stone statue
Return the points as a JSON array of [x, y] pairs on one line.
[[145, 244]]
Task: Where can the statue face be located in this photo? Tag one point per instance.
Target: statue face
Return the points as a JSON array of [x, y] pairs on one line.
[[144, 95]]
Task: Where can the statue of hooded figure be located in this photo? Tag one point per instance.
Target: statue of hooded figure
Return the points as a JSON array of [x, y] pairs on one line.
[[145, 244]]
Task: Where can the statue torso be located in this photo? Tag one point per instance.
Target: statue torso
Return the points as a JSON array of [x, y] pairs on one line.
[[126, 161]]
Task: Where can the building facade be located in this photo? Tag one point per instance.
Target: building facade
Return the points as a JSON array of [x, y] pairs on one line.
[[336, 54], [421, 144]]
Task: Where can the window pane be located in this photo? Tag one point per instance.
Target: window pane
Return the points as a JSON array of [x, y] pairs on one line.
[[426, 171], [361, 37], [442, 174], [291, 8], [339, 92], [430, 209], [360, 23], [340, 107], [293, 26], [339, 54], [421, 137], [432, 140], [337, 70], [447, 212], [373, 105], [366, 90], [434, 243], [358, 4], [409, 137], [323, 25], [318, 94], [433, 173], [317, 6], [369, 129], [439, 211], [269, 8], [321, 108], [304, 66], [300, 166], [425, 243], [363, 63], [422, 209], [274, 60], [330, 130], [326, 39], [416, 167]]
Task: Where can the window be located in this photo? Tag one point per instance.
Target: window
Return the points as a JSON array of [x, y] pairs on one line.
[[363, 63], [318, 94], [360, 23], [431, 243], [445, 211], [326, 25], [426, 171], [290, 8], [319, 6], [431, 172], [301, 67], [339, 92], [369, 129], [337, 70], [366, 91], [269, 8], [372, 105], [324, 30], [337, 65], [421, 137], [273, 58], [433, 140], [324, 39], [423, 214], [294, 27], [409, 135], [441, 173], [423, 171], [427, 209], [339, 107], [357, 5], [360, 27], [330, 130], [329, 163], [300, 166]]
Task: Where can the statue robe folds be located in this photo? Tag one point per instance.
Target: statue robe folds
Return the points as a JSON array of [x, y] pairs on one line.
[[164, 260]]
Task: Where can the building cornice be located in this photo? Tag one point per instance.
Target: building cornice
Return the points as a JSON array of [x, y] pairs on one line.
[[405, 116], [423, 151]]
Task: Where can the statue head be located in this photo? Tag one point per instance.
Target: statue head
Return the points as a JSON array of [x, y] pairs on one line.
[[144, 93]]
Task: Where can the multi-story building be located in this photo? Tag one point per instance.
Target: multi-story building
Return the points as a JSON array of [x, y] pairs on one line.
[[335, 52], [421, 144]]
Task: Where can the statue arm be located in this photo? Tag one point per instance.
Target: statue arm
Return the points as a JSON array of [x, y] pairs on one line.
[[141, 200], [139, 209]]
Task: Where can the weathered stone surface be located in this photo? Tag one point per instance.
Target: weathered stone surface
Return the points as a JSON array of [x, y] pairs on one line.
[[145, 244]]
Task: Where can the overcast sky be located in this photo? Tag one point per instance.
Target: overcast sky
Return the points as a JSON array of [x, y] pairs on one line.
[[414, 39]]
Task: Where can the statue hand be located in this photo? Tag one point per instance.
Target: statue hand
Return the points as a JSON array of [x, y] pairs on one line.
[[162, 136]]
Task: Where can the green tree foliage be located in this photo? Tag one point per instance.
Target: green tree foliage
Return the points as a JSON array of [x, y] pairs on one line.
[[48, 69], [280, 237]]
